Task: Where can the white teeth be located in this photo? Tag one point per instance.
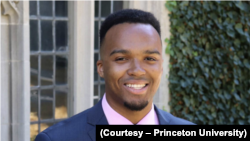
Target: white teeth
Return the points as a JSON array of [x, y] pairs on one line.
[[136, 86]]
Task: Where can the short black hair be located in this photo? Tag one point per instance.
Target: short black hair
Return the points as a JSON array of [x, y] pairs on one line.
[[128, 16]]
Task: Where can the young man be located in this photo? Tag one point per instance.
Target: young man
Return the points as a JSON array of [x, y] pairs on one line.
[[131, 64]]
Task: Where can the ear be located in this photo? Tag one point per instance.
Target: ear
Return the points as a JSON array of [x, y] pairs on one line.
[[100, 71]]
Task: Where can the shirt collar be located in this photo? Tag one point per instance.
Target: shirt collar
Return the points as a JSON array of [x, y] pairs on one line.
[[114, 118]]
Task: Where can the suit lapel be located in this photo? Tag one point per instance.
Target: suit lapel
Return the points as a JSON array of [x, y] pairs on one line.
[[96, 116], [163, 120]]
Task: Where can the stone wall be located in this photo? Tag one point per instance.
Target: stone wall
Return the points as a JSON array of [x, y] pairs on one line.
[[15, 71]]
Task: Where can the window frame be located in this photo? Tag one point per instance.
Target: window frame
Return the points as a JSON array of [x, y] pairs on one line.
[[54, 87]]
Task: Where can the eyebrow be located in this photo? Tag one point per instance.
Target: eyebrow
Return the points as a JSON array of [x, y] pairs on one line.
[[120, 51], [152, 52], [128, 52]]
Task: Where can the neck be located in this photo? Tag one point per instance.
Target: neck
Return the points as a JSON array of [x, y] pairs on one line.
[[136, 116], [132, 116]]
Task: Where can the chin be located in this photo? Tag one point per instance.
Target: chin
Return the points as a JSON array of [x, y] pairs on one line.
[[136, 106]]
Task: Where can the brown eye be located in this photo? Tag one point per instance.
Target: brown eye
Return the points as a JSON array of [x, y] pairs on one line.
[[120, 59], [150, 59]]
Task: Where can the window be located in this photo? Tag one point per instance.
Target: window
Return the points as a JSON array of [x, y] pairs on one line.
[[102, 10], [48, 64]]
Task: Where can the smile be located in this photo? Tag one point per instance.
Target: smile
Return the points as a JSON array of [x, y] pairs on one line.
[[136, 86], [137, 89]]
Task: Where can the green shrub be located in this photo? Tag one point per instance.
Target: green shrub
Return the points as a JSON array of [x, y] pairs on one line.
[[209, 51]]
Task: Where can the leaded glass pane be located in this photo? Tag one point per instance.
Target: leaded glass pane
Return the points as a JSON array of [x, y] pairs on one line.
[[61, 110], [106, 8], [46, 70], [102, 90], [34, 105], [95, 67], [45, 8], [33, 35], [118, 5], [33, 131], [33, 71], [96, 8], [61, 70], [61, 8], [33, 7], [61, 35], [95, 90], [96, 30], [46, 35], [46, 104]]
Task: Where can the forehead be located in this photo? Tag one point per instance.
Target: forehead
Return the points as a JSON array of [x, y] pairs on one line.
[[131, 36]]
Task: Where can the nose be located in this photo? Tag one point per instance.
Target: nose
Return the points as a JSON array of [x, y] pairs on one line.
[[136, 68]]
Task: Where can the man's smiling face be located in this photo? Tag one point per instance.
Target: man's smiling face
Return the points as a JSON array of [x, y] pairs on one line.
[[131, 64]]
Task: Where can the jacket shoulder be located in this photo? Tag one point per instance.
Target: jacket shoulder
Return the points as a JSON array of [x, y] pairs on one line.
[[42, 137]]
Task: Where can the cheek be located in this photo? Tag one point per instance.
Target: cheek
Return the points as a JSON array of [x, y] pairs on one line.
[[114, 72], [156, 73], [156, 69]]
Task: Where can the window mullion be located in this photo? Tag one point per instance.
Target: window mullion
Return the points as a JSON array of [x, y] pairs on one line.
[[54, 57]]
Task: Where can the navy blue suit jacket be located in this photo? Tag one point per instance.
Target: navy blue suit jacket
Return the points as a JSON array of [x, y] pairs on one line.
[[81, 127]]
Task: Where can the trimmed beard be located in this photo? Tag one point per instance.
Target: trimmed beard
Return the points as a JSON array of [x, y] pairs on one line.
[[136, 106]]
